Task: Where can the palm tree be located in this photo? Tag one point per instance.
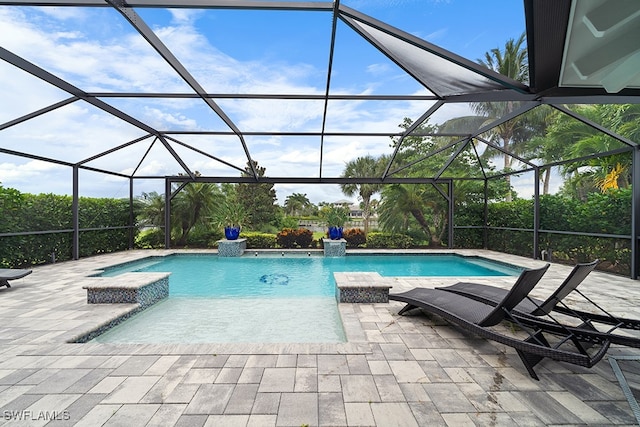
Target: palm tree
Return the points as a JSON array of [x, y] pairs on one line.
[[194, 206], [577, 139], [402, 202], [511, 62], [296, 203], [152, 209], [363, 167]]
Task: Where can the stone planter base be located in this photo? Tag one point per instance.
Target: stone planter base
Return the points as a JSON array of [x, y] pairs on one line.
[[129, 288], [363, 288], [232, 248], [334, 247]]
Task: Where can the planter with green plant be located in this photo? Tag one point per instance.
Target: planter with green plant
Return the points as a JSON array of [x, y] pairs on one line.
[[230, 215], [335, 217]]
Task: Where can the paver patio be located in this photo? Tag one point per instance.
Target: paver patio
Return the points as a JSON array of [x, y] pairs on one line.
[[414, 370]]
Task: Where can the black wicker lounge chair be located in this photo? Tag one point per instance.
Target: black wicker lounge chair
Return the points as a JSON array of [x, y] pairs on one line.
[[7, 274], [479, 317], [530, 307]]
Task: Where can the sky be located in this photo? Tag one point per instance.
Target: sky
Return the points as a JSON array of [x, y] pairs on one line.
[[227, 51]]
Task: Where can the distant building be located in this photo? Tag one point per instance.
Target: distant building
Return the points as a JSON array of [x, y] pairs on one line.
[[344, 202], [354, 209], [355, 217]]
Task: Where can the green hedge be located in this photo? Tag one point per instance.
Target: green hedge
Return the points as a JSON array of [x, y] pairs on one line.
[[468, 238], [150, 239], [600, 213], [256, 240], [49, 212], [379, 240]]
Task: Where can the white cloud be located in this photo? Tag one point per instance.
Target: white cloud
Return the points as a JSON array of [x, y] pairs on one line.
[[378, 69], [185, 16], [160, 119], [150, 168], [436, 35], [65, 13], [35, 176]]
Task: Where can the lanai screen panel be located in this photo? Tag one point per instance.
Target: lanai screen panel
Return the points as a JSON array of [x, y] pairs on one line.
[[438, 74]]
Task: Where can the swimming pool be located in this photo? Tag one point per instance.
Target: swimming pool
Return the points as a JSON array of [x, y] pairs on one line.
[[266, 298]]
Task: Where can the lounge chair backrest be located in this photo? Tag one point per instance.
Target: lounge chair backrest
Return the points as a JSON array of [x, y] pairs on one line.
[[577, 275], [527, 280]]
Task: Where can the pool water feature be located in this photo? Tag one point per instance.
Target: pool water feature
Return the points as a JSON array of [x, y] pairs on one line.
[[266, 298]]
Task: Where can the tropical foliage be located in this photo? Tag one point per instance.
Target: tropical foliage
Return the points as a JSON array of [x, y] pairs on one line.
[[355, 237], [422, 210], [258, 200], [294, 238], [297, 204], [334, 216], [510, 135], [193, 208], [363, 167], [105, 222], [199, 211]]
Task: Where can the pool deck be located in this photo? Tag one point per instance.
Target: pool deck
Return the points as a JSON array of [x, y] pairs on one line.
[[413, 370]]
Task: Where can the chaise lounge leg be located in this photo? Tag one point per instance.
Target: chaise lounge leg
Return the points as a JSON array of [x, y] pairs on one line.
[[530, 360], [4, 283], [406, 308]]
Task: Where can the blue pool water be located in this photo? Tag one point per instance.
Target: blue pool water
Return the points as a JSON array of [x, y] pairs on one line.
[[297, 276], [266, 298]]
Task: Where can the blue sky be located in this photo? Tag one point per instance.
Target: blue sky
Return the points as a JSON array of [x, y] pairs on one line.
[[228, 52]]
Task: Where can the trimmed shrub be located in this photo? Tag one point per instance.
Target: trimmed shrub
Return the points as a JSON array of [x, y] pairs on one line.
[[257, 240], [203, 238], [150, 239], [48, 212], [388, 240], [286, 238], [304, 237], [290, 238], [355, 237]]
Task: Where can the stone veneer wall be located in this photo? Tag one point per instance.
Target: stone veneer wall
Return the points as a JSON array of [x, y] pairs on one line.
[[334, 248], [361, 287], [232, 248], [363, 295], [144, 295]]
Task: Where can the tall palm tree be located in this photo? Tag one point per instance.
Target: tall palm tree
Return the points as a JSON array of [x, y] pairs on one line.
[[363, 167], [511, 62], [296, 203]]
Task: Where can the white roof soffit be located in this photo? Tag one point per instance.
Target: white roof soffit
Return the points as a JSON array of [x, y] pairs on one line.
[[602, 46]]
